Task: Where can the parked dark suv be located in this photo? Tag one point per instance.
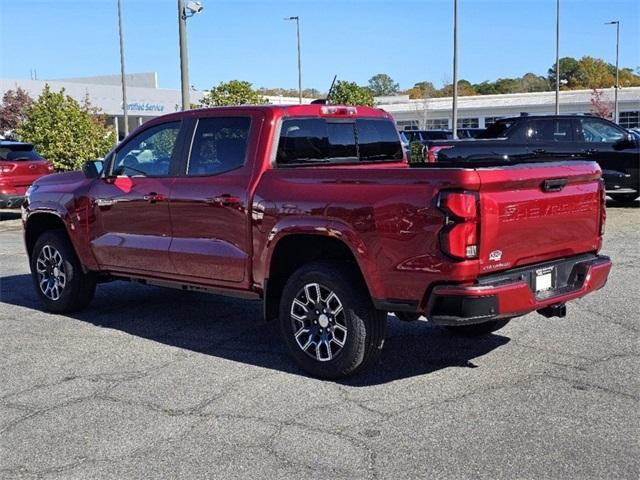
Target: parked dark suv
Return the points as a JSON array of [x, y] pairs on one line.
[[557, 137]]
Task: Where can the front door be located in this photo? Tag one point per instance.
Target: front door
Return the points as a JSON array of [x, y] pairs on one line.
[[608, 144], [209, 202], [132, 203]]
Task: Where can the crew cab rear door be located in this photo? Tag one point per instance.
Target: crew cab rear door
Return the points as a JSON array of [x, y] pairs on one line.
[[535, 212], [209, 205]]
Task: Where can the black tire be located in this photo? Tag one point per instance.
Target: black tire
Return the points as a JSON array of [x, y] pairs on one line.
[[478, 329], [625, 198], [407, 316], [357, 325], [78, 288]]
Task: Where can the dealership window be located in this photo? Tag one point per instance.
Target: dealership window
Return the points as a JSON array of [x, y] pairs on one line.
[[468, 123], [490, 120], [437, 124], [629, 119], [407, 125]]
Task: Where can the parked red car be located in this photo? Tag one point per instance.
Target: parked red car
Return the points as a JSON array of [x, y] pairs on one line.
[[20, 166], [313, 209]]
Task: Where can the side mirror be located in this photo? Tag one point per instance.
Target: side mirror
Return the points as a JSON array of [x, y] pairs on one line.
[[93, 168]]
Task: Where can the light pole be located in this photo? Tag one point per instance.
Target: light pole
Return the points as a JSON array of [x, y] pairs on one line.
[[615, 96], [297, 19], [557, 57], [183, 13], [122, 76], [454, 120]]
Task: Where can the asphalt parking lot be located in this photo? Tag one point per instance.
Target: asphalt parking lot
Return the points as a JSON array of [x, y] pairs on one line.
[[154, 383]]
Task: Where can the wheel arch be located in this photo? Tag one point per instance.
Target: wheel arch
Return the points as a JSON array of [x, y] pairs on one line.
[[39, 222], [293, 250]]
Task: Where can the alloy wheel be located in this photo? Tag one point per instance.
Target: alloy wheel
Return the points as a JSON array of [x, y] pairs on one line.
[[319, 322]]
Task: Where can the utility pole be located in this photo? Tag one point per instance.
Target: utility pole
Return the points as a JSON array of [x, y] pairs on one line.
[[454, 121], [297, 19], [184, 56], [122, 74], [617, 87], [557, 57]]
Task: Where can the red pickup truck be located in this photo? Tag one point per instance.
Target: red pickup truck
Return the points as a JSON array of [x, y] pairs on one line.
[[314, 210]]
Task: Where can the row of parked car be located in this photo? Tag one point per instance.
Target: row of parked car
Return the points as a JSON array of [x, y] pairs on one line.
[[543, 138]]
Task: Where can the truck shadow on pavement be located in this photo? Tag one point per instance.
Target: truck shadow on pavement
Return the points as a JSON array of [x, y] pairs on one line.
[[234, 330]]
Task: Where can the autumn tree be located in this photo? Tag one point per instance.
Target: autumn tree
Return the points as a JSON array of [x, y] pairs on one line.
[[64, 131], [350, 93], [600, 107], [13, 108], [234, 92]]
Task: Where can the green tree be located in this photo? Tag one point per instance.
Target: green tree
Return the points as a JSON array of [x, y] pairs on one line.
[[465, 89], [235, 92], [350, 93], [65, 131], [13, 108], [382, 84], [531, 82], [569, 74]]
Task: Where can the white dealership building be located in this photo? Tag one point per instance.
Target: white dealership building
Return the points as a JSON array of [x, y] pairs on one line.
[[146, 100]]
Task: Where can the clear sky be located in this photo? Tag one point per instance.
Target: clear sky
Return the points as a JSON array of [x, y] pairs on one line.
[[411, 40]]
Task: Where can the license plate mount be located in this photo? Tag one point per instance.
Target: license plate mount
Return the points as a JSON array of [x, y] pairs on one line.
[[544, 279]]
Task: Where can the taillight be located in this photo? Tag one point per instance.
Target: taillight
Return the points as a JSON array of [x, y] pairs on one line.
[[459, 238], [603, 207], [7, 168], [432, 153]]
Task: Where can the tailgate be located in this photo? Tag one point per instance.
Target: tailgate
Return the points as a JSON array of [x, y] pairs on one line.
[[24, 172], [536, 212]]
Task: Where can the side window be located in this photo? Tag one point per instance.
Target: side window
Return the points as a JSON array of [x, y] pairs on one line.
[[219, 145], [550, 130], [310, 140], [598, 131], [148, 153], [378, 140]]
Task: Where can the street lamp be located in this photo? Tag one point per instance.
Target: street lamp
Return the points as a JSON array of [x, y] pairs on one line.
[[454, 120], [557, 57], [615, 101], [190, 10], [122, 76], [297, 19]]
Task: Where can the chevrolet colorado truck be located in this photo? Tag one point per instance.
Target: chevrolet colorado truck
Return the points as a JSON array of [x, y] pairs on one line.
[[553, 137], [314, 210]]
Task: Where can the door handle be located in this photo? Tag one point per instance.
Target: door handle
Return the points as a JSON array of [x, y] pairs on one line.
[[154, 197], [539, 151], [589, 151], [225, 200]]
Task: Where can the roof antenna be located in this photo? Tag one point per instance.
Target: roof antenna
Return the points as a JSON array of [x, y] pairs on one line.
[[326, 101]]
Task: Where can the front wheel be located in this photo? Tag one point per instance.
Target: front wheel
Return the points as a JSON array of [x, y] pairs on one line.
[[478, 329], [57, 274], [328, 321]]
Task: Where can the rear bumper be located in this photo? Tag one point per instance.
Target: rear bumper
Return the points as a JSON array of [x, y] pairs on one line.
[[11, 201], [511, 294]]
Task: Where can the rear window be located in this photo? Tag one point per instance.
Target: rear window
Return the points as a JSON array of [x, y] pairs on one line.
[[16, 153], [318, 140]]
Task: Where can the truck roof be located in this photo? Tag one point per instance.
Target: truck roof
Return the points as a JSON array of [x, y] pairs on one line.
[[308, 110]]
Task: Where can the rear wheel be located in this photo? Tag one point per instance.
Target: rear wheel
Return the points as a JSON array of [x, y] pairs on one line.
[[57, 274], [623, 197], [328, 321], [407, 316], [478, 329]]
